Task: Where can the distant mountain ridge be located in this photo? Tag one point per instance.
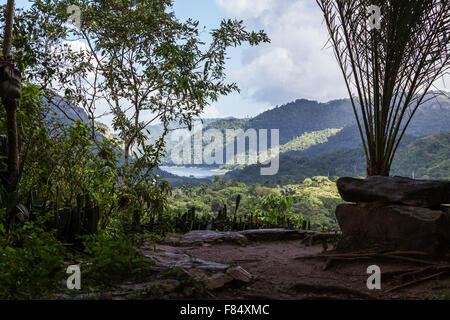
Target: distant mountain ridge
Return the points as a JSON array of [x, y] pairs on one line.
[[418, 157], [303, 116]]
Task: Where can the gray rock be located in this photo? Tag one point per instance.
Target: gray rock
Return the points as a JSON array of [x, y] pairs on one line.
[[208, 236], [240, 274], [317, 235], [399, 190], [208, 265], [273, 234], [218, 280], [170, 259], [401, 227]]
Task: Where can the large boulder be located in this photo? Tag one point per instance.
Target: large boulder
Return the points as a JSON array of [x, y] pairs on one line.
[[399, 190], [396, 226]]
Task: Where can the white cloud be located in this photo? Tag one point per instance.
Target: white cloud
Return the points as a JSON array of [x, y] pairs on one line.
[[295, 64], [211, 112], [252, 9]]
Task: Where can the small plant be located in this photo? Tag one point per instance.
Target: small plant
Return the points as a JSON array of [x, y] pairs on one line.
[[443, 296]]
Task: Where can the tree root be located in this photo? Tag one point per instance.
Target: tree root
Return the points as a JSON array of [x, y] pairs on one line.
[[406, 256], [317, 288], [410, 283], [440, 268]]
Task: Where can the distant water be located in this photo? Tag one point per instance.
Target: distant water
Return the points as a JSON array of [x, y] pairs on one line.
[[192, 172]]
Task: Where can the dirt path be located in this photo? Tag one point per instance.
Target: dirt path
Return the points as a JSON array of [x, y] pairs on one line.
[[280, 276]]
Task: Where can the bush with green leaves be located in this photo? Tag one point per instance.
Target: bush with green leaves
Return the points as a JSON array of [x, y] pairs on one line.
[[274, 208], [114, 258], [31, 262]]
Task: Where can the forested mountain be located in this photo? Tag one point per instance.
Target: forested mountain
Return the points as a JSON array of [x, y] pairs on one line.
[[295, 119], [346, 139], [63, 111], [424, 158], [427, 157], [292, 119], [299, 145]]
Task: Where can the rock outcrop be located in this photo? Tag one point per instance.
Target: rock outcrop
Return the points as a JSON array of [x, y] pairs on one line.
[[403, 227], [399, 190], [397, 212], [210, 237]]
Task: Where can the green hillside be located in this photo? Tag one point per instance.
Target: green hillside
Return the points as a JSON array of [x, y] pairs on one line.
[[301, 116], [308, 140], [426, 157], [300, 144], [346, 139]]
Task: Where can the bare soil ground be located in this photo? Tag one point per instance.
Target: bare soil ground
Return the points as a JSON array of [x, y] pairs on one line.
[[279, 275]]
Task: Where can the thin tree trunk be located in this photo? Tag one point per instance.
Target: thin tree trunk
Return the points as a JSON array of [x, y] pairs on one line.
[[126, 152], [377, 169], [13, 144], [11, 119], [9, 21]]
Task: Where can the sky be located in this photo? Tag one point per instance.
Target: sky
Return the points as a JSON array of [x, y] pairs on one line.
[[295, 65]]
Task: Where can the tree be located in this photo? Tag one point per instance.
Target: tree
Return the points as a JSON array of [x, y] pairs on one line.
[[153, 67], [138, 60], [10, 105], [392, 66]]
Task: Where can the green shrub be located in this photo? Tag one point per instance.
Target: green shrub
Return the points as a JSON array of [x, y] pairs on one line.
[[274, 207], [114, 258], [31, 263]]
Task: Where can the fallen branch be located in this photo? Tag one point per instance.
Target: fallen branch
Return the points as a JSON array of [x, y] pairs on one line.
[[409, 253], [408, 259], [416, 281], [331, 260], [404, 273], [393, 255], [316, 288]]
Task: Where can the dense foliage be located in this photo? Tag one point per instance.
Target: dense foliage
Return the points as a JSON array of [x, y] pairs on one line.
[[314, 199]]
